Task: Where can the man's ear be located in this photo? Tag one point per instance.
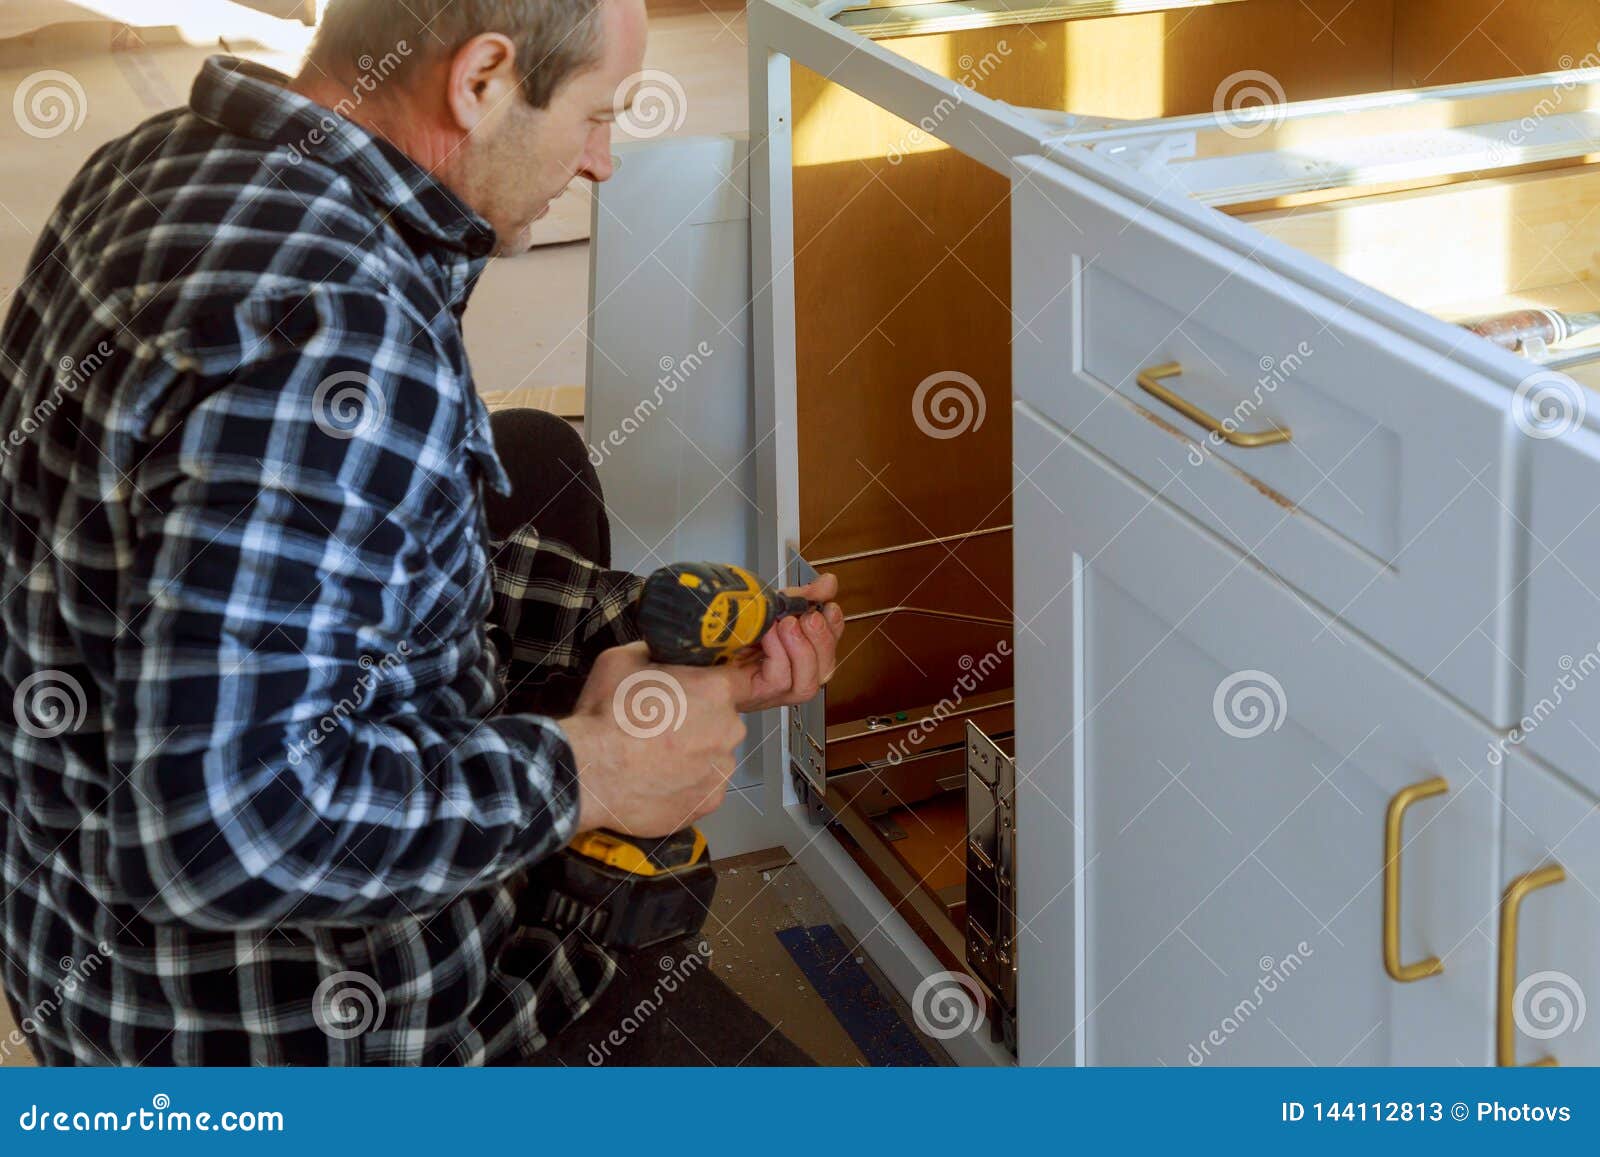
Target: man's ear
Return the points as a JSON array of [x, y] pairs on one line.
[[483, 76]]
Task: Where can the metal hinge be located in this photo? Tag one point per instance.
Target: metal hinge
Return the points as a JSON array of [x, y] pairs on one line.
[[992, 876], [808, 758]]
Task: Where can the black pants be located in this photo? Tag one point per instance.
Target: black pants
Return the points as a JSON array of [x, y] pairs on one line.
[[553, 484], [636, 1021]]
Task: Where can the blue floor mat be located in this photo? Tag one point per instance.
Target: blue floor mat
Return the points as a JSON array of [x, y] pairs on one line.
[[855, 1000]]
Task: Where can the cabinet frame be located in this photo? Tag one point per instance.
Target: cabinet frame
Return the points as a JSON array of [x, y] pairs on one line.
[[781, 32]]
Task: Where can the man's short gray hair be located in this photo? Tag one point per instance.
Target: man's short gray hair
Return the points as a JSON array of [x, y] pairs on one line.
[[554, 38]]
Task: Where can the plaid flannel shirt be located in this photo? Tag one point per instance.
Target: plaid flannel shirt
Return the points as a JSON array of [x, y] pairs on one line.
[[256, 803]]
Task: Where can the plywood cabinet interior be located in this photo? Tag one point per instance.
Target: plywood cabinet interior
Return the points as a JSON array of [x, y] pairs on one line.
[[1467, 250], [1454, 41]]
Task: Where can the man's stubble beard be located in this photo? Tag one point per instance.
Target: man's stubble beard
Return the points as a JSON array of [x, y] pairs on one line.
[[518, 245]]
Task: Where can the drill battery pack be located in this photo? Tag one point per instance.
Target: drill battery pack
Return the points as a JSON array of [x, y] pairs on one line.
[[624, 892]]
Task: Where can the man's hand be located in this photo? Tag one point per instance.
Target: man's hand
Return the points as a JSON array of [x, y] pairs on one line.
[[654, 745], [797, 656]]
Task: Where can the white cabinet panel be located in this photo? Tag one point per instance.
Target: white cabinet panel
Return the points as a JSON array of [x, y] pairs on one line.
[[669, 412], [1383, 499], [1560, 714], [1203, 798], [1555, 976]]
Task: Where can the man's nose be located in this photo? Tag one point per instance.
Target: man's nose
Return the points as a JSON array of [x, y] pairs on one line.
[[597, 161]]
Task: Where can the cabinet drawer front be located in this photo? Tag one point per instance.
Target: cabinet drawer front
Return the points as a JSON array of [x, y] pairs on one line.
[[1228, 787], [1252, 362], [1559, 717], [1382, 500]]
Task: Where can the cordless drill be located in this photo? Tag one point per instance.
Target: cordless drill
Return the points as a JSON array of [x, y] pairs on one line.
[[703, 614], [628, 892]]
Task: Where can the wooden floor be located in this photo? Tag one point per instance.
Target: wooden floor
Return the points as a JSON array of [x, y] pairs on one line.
[[12, 1055]]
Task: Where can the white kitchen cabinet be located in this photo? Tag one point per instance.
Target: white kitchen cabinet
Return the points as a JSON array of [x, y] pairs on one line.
[[1248, 439], [1549, 968], [1229, 786]]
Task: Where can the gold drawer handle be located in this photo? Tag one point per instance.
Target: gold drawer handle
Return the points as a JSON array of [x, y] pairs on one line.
[[1150, 382], [1393, 823], [1510, 909]]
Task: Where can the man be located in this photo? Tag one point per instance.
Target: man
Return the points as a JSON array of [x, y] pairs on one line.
[[257, 641]]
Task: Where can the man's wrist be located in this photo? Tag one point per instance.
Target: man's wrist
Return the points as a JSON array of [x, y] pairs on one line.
[[585, 741]]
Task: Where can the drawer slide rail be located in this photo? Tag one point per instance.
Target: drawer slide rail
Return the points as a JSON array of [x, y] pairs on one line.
[[991, 876]]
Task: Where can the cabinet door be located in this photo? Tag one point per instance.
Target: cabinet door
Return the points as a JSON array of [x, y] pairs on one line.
[[1550, 936], [1203, 798]]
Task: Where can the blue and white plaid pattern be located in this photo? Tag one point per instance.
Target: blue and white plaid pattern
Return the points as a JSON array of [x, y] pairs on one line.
[[249, 746]]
